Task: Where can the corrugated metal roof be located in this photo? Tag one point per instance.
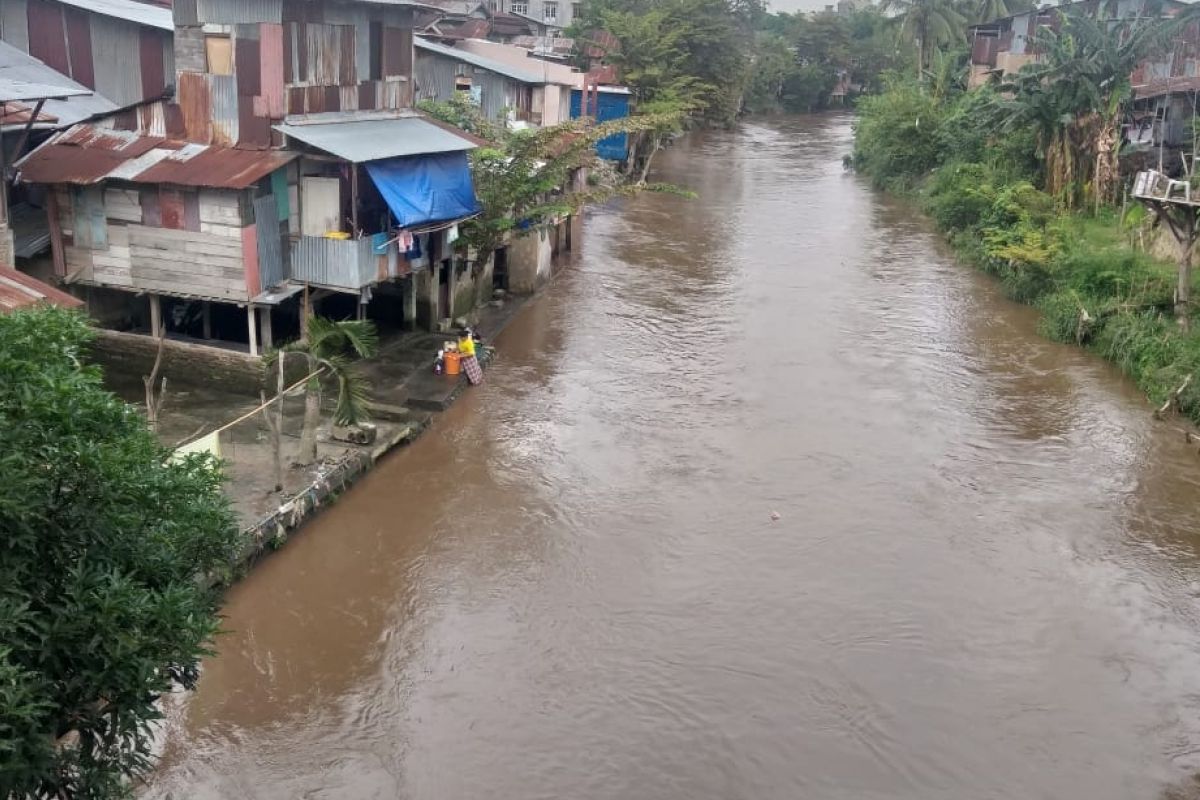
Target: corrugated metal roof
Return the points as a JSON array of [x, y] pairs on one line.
[[524, 76], [18, 290], [359, 137], [129, 10], [86, 155], [17, 65], [14, 89], [1160, 87]]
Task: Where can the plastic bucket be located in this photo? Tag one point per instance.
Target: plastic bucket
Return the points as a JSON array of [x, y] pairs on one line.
[[453, 363]]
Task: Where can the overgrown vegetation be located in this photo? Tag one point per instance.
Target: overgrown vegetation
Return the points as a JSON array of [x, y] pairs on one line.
[[104, 539], [1022, 178]]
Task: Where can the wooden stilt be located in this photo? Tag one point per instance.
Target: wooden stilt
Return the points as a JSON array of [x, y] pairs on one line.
[[206, 318], [155, 314], [252, 322], [267, 339]]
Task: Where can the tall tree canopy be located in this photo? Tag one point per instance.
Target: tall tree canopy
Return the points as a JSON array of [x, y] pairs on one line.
[[104, 537], [927, 24]]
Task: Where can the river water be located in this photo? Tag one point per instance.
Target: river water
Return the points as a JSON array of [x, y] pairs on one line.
[[982, 583]]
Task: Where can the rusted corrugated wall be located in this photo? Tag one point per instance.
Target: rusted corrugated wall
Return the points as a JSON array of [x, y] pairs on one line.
[[435, 78], [124, 61], [290, 57]]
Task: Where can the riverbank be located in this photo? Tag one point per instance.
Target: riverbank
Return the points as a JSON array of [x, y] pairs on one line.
[[1097, 275], [571, 585], [406, 396]]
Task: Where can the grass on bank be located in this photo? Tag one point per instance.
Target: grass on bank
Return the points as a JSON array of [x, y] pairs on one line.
[[1088, 274]]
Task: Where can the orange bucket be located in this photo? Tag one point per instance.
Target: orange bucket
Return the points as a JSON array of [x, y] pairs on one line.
[[453, 361]]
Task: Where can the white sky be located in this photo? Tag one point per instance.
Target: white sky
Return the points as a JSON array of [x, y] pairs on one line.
[[798, 5]]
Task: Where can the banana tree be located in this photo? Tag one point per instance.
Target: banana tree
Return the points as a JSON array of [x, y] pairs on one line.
[[1075, 94]]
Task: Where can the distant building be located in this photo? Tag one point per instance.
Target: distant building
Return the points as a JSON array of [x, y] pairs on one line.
[[549, 17], [1002, 46], [502, 79]]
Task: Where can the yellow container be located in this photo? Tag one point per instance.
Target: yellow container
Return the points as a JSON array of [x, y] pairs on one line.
[[337, 235]]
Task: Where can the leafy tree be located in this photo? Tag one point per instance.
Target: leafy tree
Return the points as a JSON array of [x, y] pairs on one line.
[[527, 179], [773, 63], [330, 348], [105, 537], [927, 24], [807, 88], [689, 57]]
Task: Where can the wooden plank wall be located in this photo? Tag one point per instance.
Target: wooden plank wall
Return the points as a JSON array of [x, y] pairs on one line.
[[173, 261], [201, 256]]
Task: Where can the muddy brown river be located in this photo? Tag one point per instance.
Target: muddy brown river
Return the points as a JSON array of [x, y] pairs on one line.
[[982, 583]]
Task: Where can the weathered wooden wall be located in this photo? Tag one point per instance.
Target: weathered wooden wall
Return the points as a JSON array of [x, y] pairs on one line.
[[162, 240]]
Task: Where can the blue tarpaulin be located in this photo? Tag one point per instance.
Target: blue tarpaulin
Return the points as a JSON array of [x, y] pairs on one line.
[[422, 189]]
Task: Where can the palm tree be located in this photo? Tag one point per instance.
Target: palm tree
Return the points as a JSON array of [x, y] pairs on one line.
[[329, 348], [927, 24], [988, 10]]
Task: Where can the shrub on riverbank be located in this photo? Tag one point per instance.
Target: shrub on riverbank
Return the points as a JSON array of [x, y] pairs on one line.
[[983, 190]]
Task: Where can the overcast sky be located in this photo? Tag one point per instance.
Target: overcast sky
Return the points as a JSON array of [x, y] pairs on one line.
[[792, 5]]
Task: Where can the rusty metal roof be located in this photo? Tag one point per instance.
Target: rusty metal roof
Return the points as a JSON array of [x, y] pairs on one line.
[[87, 154], [18, 290], [1160, 87]]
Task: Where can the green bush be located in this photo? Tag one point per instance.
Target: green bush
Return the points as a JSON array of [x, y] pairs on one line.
[[897, 136], [960, 195]]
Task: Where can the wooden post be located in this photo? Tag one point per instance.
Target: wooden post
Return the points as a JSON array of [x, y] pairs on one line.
[[267, 339], [409, 313], [155, 314], [206, 318], [354, 200], [306, 312], [252, 322], [1183, 289], [274, 418]]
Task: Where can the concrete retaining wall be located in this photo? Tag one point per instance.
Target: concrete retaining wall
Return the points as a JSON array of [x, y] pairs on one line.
[[529, 261], [183, 362]]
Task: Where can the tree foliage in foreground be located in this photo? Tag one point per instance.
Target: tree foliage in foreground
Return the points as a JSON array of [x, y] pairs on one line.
[[103, 539]]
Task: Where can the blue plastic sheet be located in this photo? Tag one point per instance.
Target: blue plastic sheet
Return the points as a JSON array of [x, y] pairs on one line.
[[423, 189]]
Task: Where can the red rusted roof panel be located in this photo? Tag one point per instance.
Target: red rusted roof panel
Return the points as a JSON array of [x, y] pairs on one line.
[[218, 167], [18, 290], [85, 155]]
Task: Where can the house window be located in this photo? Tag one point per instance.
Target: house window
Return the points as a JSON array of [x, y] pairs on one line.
[[218, 54], [550, 10], [576, 10], [520, 6]]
